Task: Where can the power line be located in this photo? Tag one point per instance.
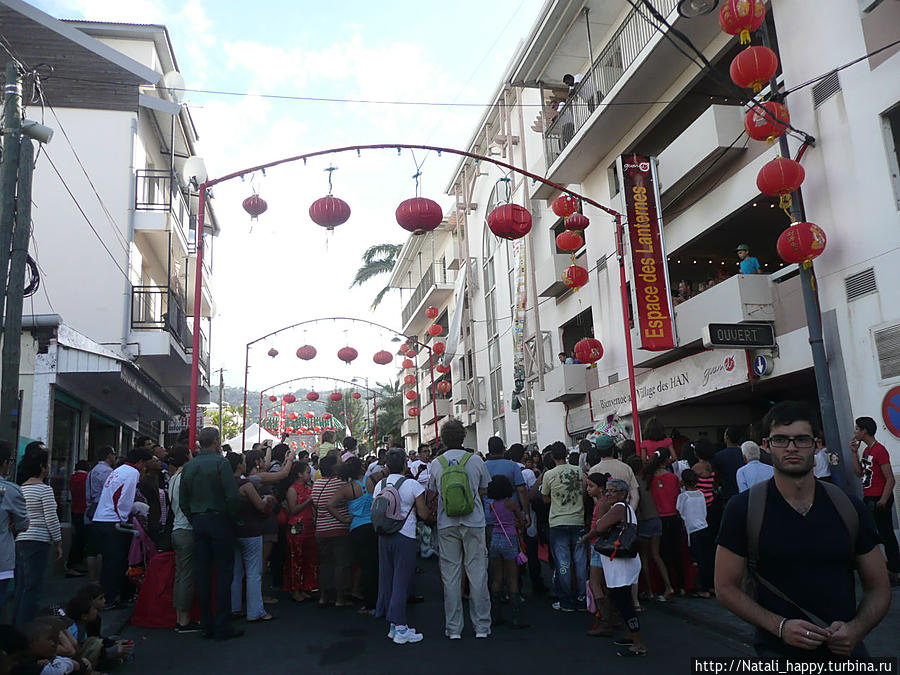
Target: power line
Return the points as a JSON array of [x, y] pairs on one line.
[[840, 68]]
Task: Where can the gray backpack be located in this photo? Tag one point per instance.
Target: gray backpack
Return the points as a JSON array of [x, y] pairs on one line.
[[387, 508]]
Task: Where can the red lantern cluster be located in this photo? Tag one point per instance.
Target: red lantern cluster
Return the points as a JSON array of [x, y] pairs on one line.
[[411, 395], [329, 212], [407, 364], [742, 17], [779, 178], [801, 243], [356, 395], [419, 215], [382, 358], [575, 276], [569, 241], [439, 348], [509, 221], [255, 206], [272, 352], [588, 350], [435, 329], [312, 396], [762, 126], [754, 67], [273, 398], [431, 312], [347, 354], [306, 352], [336, 396], [564, 206], [289, 398], [413, 411], [444, 387]]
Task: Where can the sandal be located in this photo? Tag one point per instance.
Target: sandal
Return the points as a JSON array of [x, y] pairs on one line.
[[264, 618], [632, 652]]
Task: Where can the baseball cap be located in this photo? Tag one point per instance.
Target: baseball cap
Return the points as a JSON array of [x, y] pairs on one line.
[[743, 247]]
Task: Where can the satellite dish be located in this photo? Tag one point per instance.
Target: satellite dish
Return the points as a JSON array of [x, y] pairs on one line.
[[173, 83], [193, 169]]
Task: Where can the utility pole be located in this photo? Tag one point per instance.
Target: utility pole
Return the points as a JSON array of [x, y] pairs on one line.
[[15, 228], [222, 412]]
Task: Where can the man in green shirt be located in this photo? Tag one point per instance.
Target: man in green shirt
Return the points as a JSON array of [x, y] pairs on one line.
[[208, 496], [563, 488]]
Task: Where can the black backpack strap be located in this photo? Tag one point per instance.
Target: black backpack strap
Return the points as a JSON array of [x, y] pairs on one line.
[[845, 510], [756, 513]]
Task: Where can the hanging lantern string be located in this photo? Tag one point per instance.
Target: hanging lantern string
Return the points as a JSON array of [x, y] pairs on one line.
[[506, 181], [330, 170], [418, 172]]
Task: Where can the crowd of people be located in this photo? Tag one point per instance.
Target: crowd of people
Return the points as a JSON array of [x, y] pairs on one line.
[[618, 525]]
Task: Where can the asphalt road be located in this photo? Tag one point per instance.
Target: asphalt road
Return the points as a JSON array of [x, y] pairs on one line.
[[305, 639]]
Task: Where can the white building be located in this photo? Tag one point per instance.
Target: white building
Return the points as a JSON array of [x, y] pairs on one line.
[[107, 338], [652, 101]]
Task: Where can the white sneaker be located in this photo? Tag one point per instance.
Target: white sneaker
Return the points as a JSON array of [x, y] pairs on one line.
[[454, 636], [408, 635], [392, 632], [482, 636]]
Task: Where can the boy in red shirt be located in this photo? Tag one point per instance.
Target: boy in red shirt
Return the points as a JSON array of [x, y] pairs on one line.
[[77, 487], [874, 469]]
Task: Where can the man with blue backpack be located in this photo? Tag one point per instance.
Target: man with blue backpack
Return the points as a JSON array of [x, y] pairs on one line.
[[395, 502], [460, 479]]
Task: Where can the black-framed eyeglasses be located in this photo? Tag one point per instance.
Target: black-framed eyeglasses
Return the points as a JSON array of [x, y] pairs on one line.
[[800, 442]]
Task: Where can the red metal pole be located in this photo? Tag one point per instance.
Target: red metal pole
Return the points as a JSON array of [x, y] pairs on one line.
[[246, 374], [620, 251], [375, 415], [195, 338], [433, 399], [259, 435]]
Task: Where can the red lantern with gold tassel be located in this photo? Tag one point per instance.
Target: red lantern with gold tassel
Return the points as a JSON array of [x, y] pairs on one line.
[[588, 350], [564, 206], [801, 243], [569, 241], [762, 126], [754, 67], [779, 178], [742, 17], [575, 276]]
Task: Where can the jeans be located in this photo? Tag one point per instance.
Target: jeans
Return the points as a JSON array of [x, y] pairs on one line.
[[568, 553], [183, 589], [31, 567], [885, 524], [248, 558], [213, 555], [397, 558], [114, 549], [460, 545]]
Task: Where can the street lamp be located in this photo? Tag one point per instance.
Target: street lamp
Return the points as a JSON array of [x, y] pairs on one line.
[[691, 8]]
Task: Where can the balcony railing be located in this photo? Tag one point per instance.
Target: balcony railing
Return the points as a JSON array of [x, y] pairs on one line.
[[159, 308], [157, 190], [435, 274], [608, 68]]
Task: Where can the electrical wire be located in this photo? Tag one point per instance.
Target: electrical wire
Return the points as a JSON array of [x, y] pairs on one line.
[[840, 68]]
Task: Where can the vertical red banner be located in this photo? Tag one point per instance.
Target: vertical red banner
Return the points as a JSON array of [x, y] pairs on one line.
[[650, 273]]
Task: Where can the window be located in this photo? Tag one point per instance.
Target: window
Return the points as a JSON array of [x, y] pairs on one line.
[[891, 124]]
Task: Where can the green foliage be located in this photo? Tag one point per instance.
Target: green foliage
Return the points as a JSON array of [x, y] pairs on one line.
[[232, 422], [376, 261]]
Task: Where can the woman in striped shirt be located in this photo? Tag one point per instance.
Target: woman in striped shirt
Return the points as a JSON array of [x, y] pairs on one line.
[[33, 545]]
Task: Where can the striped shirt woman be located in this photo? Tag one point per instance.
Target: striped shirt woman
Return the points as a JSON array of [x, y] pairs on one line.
[[41, 505]]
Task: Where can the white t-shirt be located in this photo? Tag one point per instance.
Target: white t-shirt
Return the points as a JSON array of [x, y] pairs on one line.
[[421, 477], [408, 490], [620, 572], [692, 507], [821, 469]]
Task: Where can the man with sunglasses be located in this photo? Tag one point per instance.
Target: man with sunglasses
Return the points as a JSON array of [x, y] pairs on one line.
[[805, 552]]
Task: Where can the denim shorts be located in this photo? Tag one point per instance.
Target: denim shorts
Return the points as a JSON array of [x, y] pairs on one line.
[[596, 558], [647, 529], [501, 548]]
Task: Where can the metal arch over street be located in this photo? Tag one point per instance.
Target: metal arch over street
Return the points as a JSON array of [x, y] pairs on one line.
[[198, 276], [306, 377], [409, 338]]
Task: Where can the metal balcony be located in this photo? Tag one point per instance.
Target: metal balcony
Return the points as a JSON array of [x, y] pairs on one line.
[[435, 288]]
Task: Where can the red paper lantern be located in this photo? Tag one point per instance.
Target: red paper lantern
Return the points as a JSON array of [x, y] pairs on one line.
[[754, 67], [588, 350], [431, 312], [577, 221], [438, 348], [309, 415], [306, 352], [742, 17], [411, 351], [356, 395], [435, 329], [336, 396], [383, 358], [444, 387], [293, 445], [575, 276], [329, 212], [312, 396], [801, 243], [326, 416], [409, 380], [293, 416], [407, 363], [568, 240], [404, 348], [564, 206], [310, 432], [273, 398], [272, 352], [509, 221], [763, 127], [318, 429], [413, 411], [289, 398], [255, 206], [779, 178], [290, 430], [347, 354], [419, 215], [411, 395], [441, 368]]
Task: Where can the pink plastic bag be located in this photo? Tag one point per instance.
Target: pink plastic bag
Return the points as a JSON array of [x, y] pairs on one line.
[[589, 596]]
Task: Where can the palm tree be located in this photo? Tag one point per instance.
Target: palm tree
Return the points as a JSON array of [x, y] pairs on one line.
[[378, 259], [389, 399]]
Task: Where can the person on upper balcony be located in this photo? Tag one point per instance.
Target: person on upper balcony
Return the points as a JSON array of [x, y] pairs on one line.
[[749, 264]]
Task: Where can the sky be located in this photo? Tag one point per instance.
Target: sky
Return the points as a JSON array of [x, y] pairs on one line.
[[285, 269]]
